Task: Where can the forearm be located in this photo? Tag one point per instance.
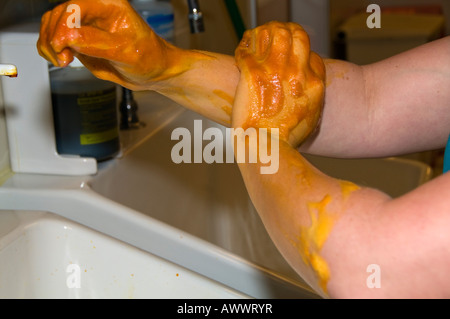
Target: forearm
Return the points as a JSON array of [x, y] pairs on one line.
[[301, 207], [331, 231], [376, 110], [117, 45], [208, 87], [396, 106], [292, 204]]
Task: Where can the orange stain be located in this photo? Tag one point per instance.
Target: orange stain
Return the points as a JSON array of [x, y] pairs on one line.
[[285, 78], [313, 237]]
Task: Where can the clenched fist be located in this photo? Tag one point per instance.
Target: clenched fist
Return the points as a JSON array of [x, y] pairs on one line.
[[112, 41], [282, 82]]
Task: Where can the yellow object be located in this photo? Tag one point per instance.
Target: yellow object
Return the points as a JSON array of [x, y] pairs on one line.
[[101, 137], [313, 237]]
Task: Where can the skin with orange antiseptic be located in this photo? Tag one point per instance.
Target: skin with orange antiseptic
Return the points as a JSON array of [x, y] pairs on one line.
[[227, 98], [287, 80], [282, 86], [114, 43], [305, 230], [312, 238], [117, 45]]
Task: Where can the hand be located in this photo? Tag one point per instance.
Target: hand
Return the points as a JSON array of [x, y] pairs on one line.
[[113, 42], [282, 82]]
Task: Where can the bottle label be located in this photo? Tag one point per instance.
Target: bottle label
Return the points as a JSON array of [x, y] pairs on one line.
[[96, 138], [98, 117]]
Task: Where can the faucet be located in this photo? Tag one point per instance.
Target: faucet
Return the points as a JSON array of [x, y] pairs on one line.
[[195, 17], [128, 106], [128, 110]]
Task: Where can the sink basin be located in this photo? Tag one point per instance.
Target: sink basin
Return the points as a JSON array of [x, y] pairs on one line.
[[196, 219], [394, 175], [46, 256]]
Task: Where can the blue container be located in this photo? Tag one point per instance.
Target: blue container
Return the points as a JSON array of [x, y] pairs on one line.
[[159, 15]]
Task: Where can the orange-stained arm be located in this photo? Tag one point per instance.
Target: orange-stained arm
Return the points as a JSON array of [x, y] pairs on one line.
[[115, 44], [396, 106], [374, 110], [332, 232]]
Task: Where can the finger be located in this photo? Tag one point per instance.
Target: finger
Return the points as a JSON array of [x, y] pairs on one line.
[[100, 13], [280, 50], [317, 66], [302, 47], [256, 42], [44, 42], [88, 41], [244, 47], [102, 70], [252, 49], [53, 34], [57, 34], [262, 41]]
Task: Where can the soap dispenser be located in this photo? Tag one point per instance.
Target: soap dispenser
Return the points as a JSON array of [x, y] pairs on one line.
[[28, 109]]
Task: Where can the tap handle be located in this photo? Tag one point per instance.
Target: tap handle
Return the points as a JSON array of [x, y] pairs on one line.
[[195, 17]]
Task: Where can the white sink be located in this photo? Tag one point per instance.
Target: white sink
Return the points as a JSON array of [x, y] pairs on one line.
[[394, 175], [194, 217], [46, 256]]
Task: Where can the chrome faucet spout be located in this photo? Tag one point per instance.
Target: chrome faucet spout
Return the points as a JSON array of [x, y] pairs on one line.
[[195, 17], [128, 111]]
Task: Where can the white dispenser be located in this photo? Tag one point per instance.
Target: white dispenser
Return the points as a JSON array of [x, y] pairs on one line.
[[28, 108]]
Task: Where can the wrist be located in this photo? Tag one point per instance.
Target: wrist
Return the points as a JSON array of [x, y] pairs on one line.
[[175, 62]]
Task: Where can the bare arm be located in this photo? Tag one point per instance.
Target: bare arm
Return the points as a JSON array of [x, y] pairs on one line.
[[115, 44], [396, 106], [331, 231], [399, 105], [375, 110]]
